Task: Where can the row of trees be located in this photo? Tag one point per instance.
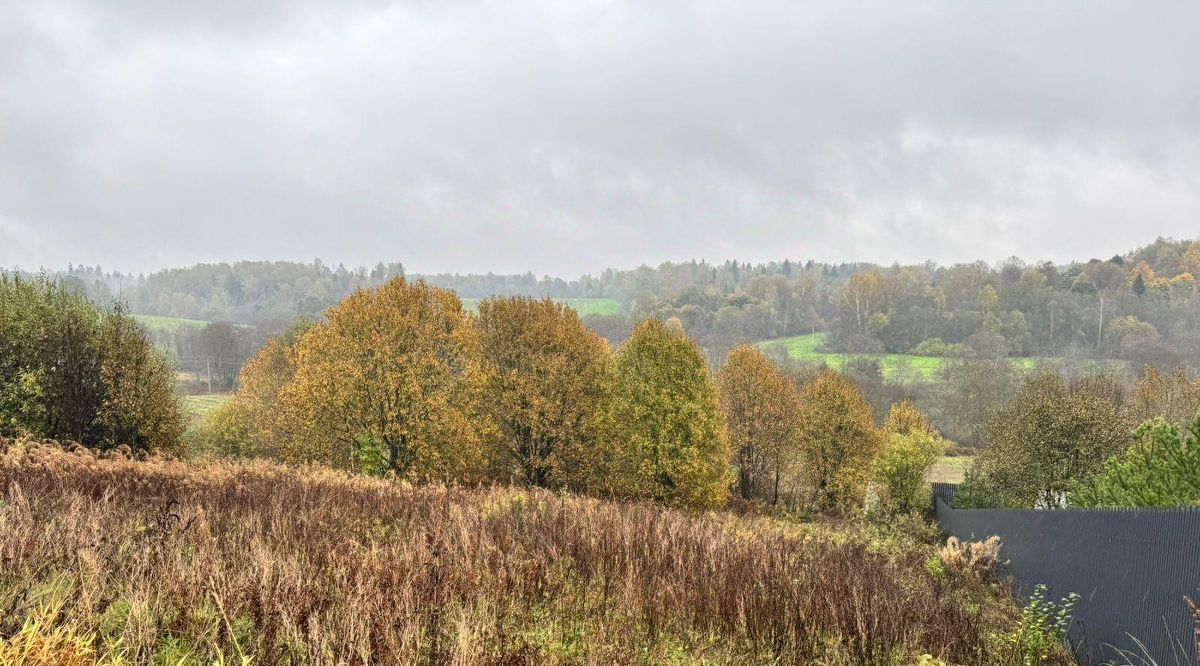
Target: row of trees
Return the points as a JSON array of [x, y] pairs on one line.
[[1141, 306], [71, 371], [401, 380], [1060, 442]]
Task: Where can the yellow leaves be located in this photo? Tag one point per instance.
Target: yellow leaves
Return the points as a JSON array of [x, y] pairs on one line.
[[543, 387], [761, 407], [387, 382], [837, 440], [665, 431], [904, 418]]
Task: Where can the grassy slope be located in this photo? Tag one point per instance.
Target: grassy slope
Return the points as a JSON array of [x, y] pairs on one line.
[[807, 348], [156, 322], [584, 306], [292, 565], [200, 405]]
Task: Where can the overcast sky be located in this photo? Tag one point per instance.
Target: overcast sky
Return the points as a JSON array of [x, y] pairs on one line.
[[566, 137]]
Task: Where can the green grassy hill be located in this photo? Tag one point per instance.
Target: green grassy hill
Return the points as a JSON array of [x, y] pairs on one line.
[[808, 348], [157, 323]]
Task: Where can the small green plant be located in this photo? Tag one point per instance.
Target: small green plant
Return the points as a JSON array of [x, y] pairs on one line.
[[1040, 634]]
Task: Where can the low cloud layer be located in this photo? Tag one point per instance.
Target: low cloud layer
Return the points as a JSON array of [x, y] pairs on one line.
[[568, 137]]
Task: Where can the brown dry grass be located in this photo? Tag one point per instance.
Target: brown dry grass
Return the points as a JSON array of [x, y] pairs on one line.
[[164, 561]]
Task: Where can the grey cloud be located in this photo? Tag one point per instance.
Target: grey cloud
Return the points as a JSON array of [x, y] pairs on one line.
[[568, 137]]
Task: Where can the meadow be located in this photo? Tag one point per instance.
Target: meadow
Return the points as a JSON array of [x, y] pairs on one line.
[[112, 560], [169, 324], [894, 366], [199, 406]]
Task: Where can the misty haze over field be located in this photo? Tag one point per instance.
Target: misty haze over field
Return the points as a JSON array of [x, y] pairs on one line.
[[569, 137]]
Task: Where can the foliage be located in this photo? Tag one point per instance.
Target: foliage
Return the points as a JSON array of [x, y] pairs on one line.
[[69, 370], [1174, 396], [837, 441], [388, 382], [979, 560], [544, 389], [252, 422], [761, 407], [1048, 436], [1039, 637], [904, 418], [899, 471], [1161, 469], [666, 433]]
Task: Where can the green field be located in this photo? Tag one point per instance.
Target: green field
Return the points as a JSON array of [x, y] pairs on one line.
[[807, 348], [584, 306], [200, 405], [172, 324]]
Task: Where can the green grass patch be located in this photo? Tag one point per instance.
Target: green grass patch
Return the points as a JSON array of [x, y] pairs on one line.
[[200, 405], [584, 306], [172, 324], [899, 366], [808, 348]]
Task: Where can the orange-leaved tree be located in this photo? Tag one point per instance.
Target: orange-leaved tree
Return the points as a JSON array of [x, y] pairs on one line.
[[545, 374], [252, 423], [762, 407], [388, 382], [837, 441], [665, 431]]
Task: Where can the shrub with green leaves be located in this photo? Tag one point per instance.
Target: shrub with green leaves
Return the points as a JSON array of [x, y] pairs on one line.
[[1161, 469], [898, 472], [1039, 637], [72, 371]]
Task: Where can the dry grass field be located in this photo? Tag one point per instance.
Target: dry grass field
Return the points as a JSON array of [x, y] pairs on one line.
[[113, 560]]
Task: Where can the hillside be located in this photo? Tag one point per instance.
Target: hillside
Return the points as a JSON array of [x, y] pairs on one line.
[[161, 561]]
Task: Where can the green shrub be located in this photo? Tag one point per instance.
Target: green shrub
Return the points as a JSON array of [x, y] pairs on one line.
[[1039, 636], [900, 469], [71, 371], [1161, 469]]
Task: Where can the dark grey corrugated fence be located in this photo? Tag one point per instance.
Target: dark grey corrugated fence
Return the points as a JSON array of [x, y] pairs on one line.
[[1132, 569]]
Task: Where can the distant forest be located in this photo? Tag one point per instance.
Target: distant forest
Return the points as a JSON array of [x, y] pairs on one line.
[[1141, 306]]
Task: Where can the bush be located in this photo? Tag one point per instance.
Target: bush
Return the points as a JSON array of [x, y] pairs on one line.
[[900, 469], [978, 560], [1047, 437], [71, 371], [1161, 469], [1039, 637]]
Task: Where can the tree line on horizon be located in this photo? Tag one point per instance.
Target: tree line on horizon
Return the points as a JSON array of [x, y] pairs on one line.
[[1141, 306]]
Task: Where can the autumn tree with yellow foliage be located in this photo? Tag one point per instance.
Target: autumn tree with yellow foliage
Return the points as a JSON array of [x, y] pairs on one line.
[[664, 428], [911, 447], [252, 423], [761, 407], [1174, 396], [905, 418], [388, 382], [545, 374], [837, 441]]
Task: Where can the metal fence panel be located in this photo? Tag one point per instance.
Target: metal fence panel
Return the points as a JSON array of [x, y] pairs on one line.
[[1132, 569]]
